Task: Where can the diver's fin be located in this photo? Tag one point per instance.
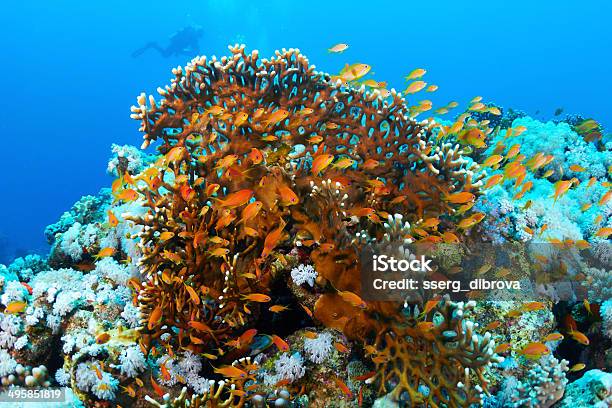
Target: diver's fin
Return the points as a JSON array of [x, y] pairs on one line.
[[140, 51]]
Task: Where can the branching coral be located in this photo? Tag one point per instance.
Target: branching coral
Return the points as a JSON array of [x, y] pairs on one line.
[[434, 367], [544, 385]]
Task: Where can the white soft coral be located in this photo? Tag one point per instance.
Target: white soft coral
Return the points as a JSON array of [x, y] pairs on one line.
[[319, 348], [304, 274], [132, 361]]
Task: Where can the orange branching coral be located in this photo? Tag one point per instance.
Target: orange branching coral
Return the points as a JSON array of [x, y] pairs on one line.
[[441, 354], [260, 156]]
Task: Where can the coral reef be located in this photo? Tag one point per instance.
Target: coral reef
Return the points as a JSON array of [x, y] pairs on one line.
[[225, 269]]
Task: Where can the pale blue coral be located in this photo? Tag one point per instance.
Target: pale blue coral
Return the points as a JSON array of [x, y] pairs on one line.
[[289, 367], [131, 314], [76, 239], [26, 267], [13, 292], [62, 377], [606, 315], [87, 380], [564, 218], [129, 157], [7, 363]]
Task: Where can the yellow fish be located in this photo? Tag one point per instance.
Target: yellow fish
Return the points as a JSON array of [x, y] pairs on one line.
[[15, 307]]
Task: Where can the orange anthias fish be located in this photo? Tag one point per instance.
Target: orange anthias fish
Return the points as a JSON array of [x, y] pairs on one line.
[[338, 48], [257, 297], [533, 306], [247, 337], [175, 154], [343, 163], [226, 161], [344, 388], [187, 193], [553, 337], [429, 306], [415, 87], [103, 338], [604, 232], [231, 372], [255, 155], [370, 164], [164, 371], [113, 221], [577, 168], [460, 198], [605, 198], [561, 188], [272, 239], [577, 367], [275, 117], [474, 137], [278, 308], [236, 199], [211, 189], [493, 325], [319, 163], [129, 390], [415, 74], [502, 348], [250, 211], [354, 72], [105, 252], [154, 317], [127, 195], [287, 196], [471, 221], [310, 335], [579, 337], [493, 180], [341, 347], [493, 160], [157, 388], [203, 327], [534, 351], [166, 235], [280, 343], [353, 299], [365, 376]]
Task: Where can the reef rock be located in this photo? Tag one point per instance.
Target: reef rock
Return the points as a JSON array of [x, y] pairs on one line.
[[593, 390]]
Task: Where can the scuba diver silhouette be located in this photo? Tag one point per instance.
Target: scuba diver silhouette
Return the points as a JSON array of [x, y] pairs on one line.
[[182, 43]]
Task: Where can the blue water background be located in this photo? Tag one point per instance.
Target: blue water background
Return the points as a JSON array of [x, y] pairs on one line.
[[68, 78]]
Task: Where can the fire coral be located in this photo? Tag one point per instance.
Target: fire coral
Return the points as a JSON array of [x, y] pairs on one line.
[[261, 156]]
